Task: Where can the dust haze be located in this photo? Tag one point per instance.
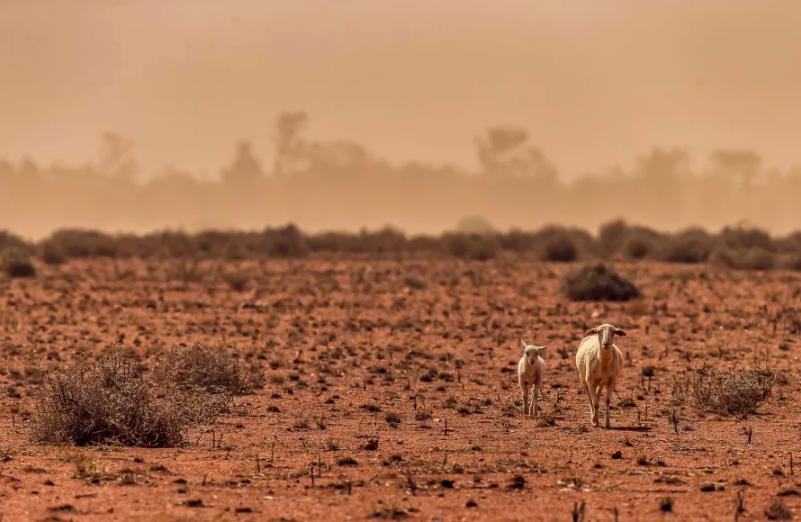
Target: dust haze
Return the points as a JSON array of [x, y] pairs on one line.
[[362, 114]]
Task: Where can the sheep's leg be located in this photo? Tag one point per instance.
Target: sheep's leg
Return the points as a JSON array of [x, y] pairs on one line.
[[593, 404], [535, 393], [609, 389], [589, 399], [524, 390]]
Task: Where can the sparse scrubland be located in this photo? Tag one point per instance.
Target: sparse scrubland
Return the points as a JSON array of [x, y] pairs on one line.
[[738, 248], [278, 375]]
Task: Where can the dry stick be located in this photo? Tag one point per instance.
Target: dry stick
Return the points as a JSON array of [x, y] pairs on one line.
[[578, 511], [740, 506], [258, 466]]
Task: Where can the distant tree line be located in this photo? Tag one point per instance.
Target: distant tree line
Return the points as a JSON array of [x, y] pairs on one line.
[[339, 185]]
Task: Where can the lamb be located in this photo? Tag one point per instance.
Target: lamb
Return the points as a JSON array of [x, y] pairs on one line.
[[529, 376], [599, 362]]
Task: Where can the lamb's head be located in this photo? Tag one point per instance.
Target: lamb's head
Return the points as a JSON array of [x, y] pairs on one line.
[[532, 351], [606, 334]]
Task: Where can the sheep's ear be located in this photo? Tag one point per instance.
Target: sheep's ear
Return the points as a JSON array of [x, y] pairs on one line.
[[523, 344], [620, 332], [541, 349], [591, 331]]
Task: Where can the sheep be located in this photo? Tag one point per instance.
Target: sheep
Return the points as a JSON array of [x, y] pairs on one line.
[[598, 362], [529, 376]]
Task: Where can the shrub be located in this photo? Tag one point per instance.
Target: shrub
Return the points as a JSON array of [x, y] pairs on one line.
[[82, 243], [744, 258], [213, 370], [778, 511], [15, 263], [739, 237], [237, 282], [736, 393], [479, 247], [611, 237], [597, 282], [9, 241], [560, 249], [287, 241], [104, 401], [637, 248], [690, 246], [51, 253], [789, 262]]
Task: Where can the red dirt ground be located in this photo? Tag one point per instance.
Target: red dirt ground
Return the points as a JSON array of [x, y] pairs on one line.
[[344, 343]]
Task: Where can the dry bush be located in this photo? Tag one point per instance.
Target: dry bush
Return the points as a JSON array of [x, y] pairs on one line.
[[744, 258], [617, 238], [691, 246], [51, 253], [16, 263], [209, 369], [598, 282], [9, 241], [737, 393], [104, 401], [745, 249], [478, 247], [237, 281], [778, 511], [286, 241], [72, 243], [560, 249]]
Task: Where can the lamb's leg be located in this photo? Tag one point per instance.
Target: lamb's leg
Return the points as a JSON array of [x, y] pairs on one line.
[[609, 389], [593, 403], [535, 392]]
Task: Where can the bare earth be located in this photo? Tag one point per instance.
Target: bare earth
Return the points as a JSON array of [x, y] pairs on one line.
[[345, 343]]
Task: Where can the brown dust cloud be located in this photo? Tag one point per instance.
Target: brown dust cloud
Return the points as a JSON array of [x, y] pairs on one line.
[[138, 116]]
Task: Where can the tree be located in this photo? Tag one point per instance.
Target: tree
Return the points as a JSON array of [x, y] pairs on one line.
[[505, 151], [246, 169], [289, 145]]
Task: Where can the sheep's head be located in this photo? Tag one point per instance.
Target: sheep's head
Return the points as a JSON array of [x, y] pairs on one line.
[[606, 334], [532, 351]]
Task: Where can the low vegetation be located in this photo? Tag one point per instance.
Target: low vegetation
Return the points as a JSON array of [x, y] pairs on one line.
[[737, 393], [598, 282], [105, 401], [215, 370], [15, 263], [737, 248]]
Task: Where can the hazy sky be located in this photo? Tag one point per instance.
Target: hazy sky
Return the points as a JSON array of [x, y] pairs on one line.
[[596, 82]]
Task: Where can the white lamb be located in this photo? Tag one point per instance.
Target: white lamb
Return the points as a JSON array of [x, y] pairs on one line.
[[599, 362], [529, 376]]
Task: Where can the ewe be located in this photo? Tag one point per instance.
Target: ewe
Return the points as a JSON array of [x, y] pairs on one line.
[[599, 362], [529, 375]]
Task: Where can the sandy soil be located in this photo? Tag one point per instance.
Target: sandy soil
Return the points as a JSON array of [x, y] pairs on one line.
[[346, 344]]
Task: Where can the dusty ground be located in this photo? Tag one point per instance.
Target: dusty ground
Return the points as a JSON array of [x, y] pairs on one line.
[[344, 344]]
